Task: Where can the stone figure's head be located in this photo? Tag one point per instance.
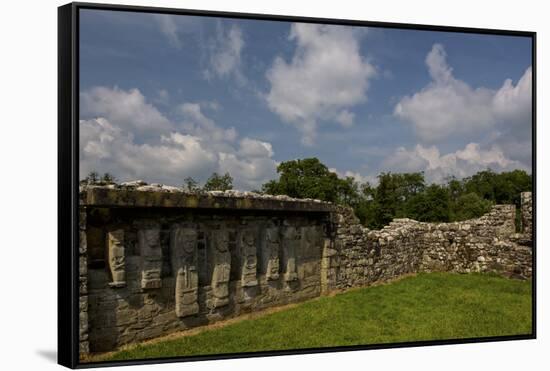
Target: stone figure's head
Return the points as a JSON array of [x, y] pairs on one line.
[[152, 237], [290, 233], [248, 238], [188, 239], [272, 234], [116, 238], [221, 240]]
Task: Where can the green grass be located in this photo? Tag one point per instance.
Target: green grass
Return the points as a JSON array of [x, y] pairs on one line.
[[424, 307]]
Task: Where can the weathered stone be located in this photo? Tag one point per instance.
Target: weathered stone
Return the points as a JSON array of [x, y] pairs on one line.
[[271, 243], [222, 268], [211, 270], [247, 242], [151, 257], [183, 246], [291, 241], [117, 258]]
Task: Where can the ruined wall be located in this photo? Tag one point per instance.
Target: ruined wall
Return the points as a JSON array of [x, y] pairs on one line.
[[359, 256], [154, 270], [155, 260]]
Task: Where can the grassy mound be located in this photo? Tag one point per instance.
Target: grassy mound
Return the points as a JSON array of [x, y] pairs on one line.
[[431, 306]]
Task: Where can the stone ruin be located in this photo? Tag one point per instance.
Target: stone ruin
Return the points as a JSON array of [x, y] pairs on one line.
[[156, 260]]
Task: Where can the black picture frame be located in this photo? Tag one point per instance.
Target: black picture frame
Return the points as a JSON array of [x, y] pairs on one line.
[[68, 179]]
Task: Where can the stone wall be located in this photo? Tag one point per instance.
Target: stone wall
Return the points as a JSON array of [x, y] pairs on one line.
[[155, 260], [359, 256]]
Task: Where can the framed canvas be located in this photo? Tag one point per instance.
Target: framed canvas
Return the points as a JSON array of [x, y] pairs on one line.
[[241, 185]]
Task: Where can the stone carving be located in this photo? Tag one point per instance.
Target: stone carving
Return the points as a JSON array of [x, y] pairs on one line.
[[117, 264], [222, 267], [291, 240], [183, 245], [271, 253], [151, 257], [527, 213], [247, 243], [311, 239]]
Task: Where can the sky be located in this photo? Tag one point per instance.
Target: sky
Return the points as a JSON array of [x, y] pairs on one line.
[[166, 97]]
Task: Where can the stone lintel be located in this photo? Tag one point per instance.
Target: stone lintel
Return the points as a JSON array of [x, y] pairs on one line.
[[120, 197]]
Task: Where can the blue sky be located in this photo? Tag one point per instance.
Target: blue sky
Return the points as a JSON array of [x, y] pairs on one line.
[[164, 97]]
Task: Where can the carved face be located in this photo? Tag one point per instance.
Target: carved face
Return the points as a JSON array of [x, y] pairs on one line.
[[188, 240], [290, 233], [152, 237], [221, 239], [116, 238], [272, 235], [248, 238]]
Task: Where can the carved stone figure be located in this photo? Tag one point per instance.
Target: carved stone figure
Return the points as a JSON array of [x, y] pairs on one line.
[[151, 257], [117, 264], [183, 245], [222, 267], [291, 240], [248, 250], [311, 240], [271, 253]]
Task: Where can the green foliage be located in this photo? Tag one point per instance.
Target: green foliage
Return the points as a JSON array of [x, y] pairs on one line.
[[433, 306], [93, 178], [218, 182], [469, 206], [432, 205], [400, 195], [308, 178], [191, 185], [502, 188], [108, 178]]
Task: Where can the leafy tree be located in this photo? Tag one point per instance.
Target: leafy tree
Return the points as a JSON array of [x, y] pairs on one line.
[[393, 193], [191, 185], [218, 182], [108, 178], [307, 178], [91, 178], [469, 206], [432, 205]]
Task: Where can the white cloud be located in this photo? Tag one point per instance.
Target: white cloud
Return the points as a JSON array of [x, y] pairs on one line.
[[462, 163], [326, 76], [197, 123], [111, 142], [127, 108], [255, 148], [248, 172], [358, 177], [225, 54], [169, 27], [448, 106], [345, 118]]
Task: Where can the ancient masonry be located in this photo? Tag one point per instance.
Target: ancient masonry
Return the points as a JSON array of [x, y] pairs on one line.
[[155, 259]]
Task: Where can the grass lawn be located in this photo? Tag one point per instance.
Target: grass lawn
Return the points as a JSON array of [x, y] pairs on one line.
[[423, 307]]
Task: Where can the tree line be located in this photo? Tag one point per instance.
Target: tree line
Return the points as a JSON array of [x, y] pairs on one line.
[[401, 195], [397, 195]]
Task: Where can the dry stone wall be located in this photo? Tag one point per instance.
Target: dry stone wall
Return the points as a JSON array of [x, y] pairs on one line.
[[154, 259]]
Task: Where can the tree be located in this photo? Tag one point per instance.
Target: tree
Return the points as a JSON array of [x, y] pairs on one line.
[[432, 205], [469, 206], [108, 178], [191, 185], [218, 182], [393, 193], [91, 178], [306, 178]]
